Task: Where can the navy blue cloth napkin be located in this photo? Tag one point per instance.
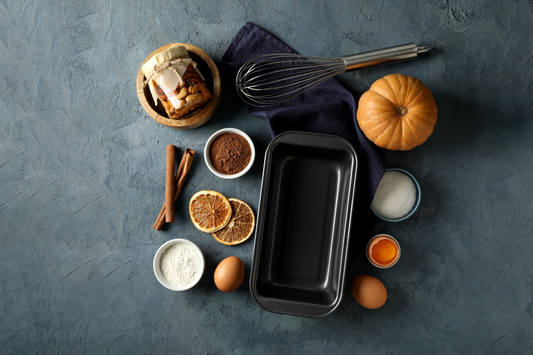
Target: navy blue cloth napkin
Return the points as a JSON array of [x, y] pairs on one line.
[[327, 108]]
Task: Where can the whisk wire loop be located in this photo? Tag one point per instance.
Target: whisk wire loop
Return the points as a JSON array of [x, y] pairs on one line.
[[271, 79]]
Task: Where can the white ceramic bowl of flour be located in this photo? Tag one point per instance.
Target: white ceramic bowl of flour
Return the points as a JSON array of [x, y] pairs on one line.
[[179, 264]]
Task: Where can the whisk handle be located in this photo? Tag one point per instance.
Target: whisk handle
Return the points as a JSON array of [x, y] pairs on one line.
[[384, 56]]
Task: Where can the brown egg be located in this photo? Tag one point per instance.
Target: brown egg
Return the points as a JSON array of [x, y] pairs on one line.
[[229, 274], [368, 291]]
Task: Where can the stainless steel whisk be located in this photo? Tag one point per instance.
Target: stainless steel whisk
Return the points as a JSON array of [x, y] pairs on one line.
[[271, 79]]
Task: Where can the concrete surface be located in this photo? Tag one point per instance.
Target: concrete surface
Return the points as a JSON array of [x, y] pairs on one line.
[[82, 180]]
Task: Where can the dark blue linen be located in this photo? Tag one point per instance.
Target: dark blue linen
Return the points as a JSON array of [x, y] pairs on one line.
[[327, 108]]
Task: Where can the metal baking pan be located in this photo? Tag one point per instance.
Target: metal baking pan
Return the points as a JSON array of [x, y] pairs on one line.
[[303, 224]]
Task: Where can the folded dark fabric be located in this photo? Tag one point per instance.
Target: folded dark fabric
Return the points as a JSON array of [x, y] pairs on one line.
[[327, 108]]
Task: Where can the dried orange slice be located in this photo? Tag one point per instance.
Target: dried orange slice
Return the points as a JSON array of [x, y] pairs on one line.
[[209, 210], [240, 226]]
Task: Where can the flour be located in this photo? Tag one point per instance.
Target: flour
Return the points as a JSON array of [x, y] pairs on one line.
[[180, 264]]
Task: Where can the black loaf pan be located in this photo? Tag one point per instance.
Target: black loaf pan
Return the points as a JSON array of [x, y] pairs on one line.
[[303, 224]]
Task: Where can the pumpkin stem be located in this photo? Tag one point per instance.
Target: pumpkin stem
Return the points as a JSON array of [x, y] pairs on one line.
[[401, 110]]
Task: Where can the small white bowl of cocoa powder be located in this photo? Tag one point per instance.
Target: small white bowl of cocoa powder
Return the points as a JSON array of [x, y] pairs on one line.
[[229, 153]]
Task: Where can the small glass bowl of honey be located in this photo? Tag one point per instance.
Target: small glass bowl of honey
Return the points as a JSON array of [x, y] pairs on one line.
[[383, 251]]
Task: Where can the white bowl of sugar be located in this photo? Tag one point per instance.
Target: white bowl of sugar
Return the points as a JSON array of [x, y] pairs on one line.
[[179, 264], [397, 196]]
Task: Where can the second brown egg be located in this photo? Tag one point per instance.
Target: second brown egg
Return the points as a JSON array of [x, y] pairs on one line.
[[229, 274]]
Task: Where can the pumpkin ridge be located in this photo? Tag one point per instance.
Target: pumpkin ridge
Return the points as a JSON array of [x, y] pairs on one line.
[[412, 136], [372, 101], [398, 134], [415, 99], [405, 84], [393, 96], [410, 89], [402, 89], [427, 124], [375, 120], [422, 120], [420, 96], [385, 124], [379, 92]]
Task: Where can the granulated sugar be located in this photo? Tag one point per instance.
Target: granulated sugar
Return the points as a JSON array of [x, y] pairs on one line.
[[395, 195], [180, 264]]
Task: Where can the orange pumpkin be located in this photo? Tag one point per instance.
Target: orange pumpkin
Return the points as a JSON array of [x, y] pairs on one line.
[[398, 112]]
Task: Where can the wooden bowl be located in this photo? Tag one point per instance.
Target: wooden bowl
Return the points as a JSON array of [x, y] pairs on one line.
[[194, 119]]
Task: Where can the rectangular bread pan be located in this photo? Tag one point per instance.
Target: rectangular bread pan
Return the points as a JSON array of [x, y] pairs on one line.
[[303, 224]]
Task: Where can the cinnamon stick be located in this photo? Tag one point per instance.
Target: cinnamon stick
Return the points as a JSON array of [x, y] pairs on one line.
[[170, 183], [181, 175]]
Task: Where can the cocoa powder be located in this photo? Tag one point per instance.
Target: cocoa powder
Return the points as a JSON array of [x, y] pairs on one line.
[[230, 153]]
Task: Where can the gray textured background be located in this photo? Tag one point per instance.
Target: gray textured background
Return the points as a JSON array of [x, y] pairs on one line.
[[82, 180]]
